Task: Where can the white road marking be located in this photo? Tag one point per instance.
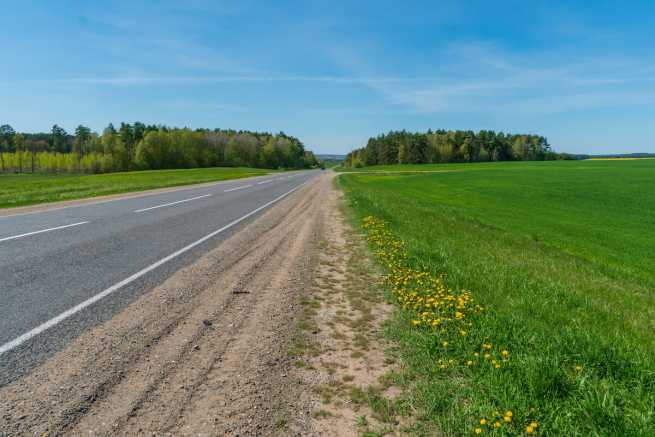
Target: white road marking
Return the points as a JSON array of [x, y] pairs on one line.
[[76, 309], [237, 188], [264, 182], [172, 203], [41, 231]]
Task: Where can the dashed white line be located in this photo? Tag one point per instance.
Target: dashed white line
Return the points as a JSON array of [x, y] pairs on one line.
[[15, 237], [265, 182], [173, 203], [237, 188], [68, 313]]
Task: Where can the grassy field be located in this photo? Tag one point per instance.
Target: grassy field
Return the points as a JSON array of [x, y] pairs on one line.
[[560, 257], [26, 189]]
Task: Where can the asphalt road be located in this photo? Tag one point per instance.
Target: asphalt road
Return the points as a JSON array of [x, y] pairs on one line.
[[65, 270]]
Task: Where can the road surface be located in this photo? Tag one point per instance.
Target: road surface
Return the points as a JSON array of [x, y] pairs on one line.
[[67, 269]]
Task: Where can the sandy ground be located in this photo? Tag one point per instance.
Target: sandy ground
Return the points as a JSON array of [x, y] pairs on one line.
[[211, 351], [345, 366]]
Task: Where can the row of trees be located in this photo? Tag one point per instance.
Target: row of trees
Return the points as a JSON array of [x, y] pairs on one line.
[[441, 146], [141, 147]]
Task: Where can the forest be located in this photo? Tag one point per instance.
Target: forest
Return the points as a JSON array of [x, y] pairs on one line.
[[442, 146], [138, 146]]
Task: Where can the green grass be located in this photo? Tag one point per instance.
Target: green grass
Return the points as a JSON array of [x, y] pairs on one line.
[[26, 189], [562, 254]]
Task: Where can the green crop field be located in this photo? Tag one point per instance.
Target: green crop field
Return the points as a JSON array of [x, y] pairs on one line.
[[561, 256], [27, 189]]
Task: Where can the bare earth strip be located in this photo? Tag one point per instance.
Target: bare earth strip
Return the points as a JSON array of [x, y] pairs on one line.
[[345, 366], [210, 351]]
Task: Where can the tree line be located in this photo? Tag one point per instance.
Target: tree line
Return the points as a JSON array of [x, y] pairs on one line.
[[442, 146], [139, 146]]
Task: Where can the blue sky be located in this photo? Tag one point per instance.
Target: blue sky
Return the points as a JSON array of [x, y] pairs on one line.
[[334, 73]]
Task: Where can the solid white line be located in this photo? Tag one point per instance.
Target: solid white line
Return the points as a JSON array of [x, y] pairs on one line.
[[172, 203], [66, 314], [264, 182], [237, 188], [41, 231]]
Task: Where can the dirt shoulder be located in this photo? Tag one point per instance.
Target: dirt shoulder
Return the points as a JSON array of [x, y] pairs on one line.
[[214, 349], [345, 362]]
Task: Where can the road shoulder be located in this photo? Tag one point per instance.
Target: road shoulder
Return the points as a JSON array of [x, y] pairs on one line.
[[342, 357]]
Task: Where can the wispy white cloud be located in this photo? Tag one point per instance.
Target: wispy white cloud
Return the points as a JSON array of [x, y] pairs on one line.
[[480, 77]]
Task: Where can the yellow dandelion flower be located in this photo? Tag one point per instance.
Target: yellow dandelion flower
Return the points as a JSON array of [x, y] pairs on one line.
[[478, 430], [483, 421]]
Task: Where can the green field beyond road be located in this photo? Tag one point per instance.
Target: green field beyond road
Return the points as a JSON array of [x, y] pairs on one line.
[[26, 189], [561, 254]]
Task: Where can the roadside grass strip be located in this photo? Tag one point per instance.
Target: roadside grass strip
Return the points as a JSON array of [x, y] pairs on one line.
[[449, 317]]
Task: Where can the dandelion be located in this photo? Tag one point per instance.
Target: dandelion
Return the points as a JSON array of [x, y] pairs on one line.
[[483, 421], [478, 430], [496, 424], [444, 343], [529, 429]]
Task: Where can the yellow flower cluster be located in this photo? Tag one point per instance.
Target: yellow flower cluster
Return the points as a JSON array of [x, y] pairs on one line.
[[498, 421], [436, 306], [489, 355]]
